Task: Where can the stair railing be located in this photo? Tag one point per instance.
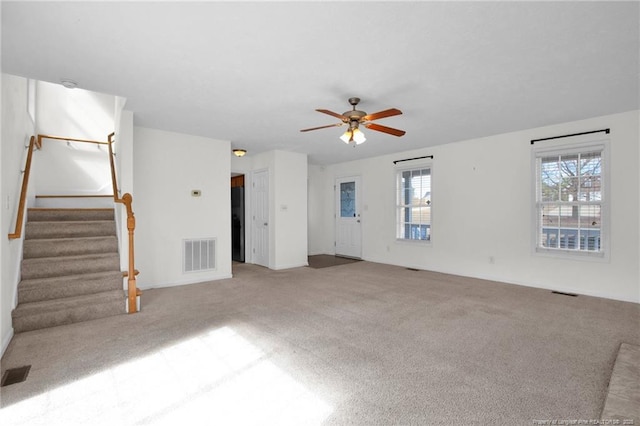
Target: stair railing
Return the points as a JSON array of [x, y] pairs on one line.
[[17, 233], [127, 199]]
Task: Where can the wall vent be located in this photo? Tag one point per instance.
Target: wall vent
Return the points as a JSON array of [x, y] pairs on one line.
[[199, 255], [564, 294]]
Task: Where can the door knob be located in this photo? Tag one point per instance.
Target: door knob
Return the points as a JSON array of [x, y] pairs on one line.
[[265, 224]]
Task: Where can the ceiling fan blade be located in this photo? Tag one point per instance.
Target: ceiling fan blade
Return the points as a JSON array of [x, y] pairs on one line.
[[333, 114], [385, 129], [382, 114], [322, 127]]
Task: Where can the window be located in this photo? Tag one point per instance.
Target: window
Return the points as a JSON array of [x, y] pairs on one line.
[[570, 200], [413, 205]]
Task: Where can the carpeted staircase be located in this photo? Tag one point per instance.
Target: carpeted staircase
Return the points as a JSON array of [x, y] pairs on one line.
[[70, 269]]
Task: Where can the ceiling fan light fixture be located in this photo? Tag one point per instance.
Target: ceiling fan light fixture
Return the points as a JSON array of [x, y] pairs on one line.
[[356, 117], [239, 152], [353, 134], [346, 136], [358, 136]]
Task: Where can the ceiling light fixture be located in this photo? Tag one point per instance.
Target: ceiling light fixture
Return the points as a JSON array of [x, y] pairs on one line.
[[239, 152], [69, 84], [354, 134]]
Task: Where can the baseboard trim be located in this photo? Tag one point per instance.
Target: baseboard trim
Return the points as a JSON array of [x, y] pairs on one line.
[[5, 342]]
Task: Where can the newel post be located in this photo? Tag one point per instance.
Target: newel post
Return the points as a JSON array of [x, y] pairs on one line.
[[131, 274]]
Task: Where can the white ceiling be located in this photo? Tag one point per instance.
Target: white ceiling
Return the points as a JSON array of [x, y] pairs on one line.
[[253, 73]]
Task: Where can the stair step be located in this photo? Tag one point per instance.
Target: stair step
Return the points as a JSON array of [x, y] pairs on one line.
[[623, 394], [41, 214], [42, 267], [69, 229], [51, 313], [39, 289], [69, 246]]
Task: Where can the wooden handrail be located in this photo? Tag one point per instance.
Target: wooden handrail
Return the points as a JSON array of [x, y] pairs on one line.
[[127, 200], [74, 196], [114, 182], [17, 233], [60, 138]]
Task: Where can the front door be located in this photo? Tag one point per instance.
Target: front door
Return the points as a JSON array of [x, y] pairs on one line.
[[348, 225], [260, 207]]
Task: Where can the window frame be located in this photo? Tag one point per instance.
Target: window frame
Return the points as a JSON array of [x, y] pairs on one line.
[[574, 145], [397, 174]]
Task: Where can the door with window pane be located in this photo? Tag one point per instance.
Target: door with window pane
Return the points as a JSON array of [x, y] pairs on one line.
[[348, 224]]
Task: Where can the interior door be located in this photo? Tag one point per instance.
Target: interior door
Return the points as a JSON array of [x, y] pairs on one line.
[[348, 225], [260, 207]]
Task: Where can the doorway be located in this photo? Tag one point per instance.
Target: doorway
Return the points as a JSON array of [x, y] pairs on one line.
[[237, 218], [348, 225]]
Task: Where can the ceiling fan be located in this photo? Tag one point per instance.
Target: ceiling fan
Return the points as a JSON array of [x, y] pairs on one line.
[[355, 118]]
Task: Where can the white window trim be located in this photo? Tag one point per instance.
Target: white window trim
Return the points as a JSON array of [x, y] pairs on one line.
[[574, 145], [404, 168]]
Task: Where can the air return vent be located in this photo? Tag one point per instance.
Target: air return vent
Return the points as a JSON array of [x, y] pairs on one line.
[[199, 255], [564, 294], [15, 375]]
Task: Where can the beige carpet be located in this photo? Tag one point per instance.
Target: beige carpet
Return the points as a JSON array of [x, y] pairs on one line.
[[364, 344]]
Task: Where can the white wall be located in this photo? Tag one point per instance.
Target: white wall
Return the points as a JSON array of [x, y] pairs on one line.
[[290, 210], [74, 113], [17, 128], [482, 208], [76, 168], [316, 208], [287, 205], [167, 166]]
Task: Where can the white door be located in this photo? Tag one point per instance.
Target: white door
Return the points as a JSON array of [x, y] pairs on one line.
[[260, 206], [348, 225]]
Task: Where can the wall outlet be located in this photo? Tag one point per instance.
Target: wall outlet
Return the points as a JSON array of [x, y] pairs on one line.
[[492, 260]]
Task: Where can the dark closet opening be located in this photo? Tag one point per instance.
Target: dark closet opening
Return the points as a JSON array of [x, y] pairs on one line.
[[237, 218]]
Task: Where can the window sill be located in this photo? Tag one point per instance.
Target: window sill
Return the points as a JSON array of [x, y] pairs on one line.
[[572, 255], [413, 242]]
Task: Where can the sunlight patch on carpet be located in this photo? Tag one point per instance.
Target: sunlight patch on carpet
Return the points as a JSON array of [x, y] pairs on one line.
[[217, 377]]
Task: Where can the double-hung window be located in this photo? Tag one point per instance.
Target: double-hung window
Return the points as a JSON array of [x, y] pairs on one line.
[[413, 204], [571, 199]]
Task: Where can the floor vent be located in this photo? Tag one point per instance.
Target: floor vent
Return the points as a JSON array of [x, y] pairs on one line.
[[15, 375], [564, 294], [413, 269], [199, 255]]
